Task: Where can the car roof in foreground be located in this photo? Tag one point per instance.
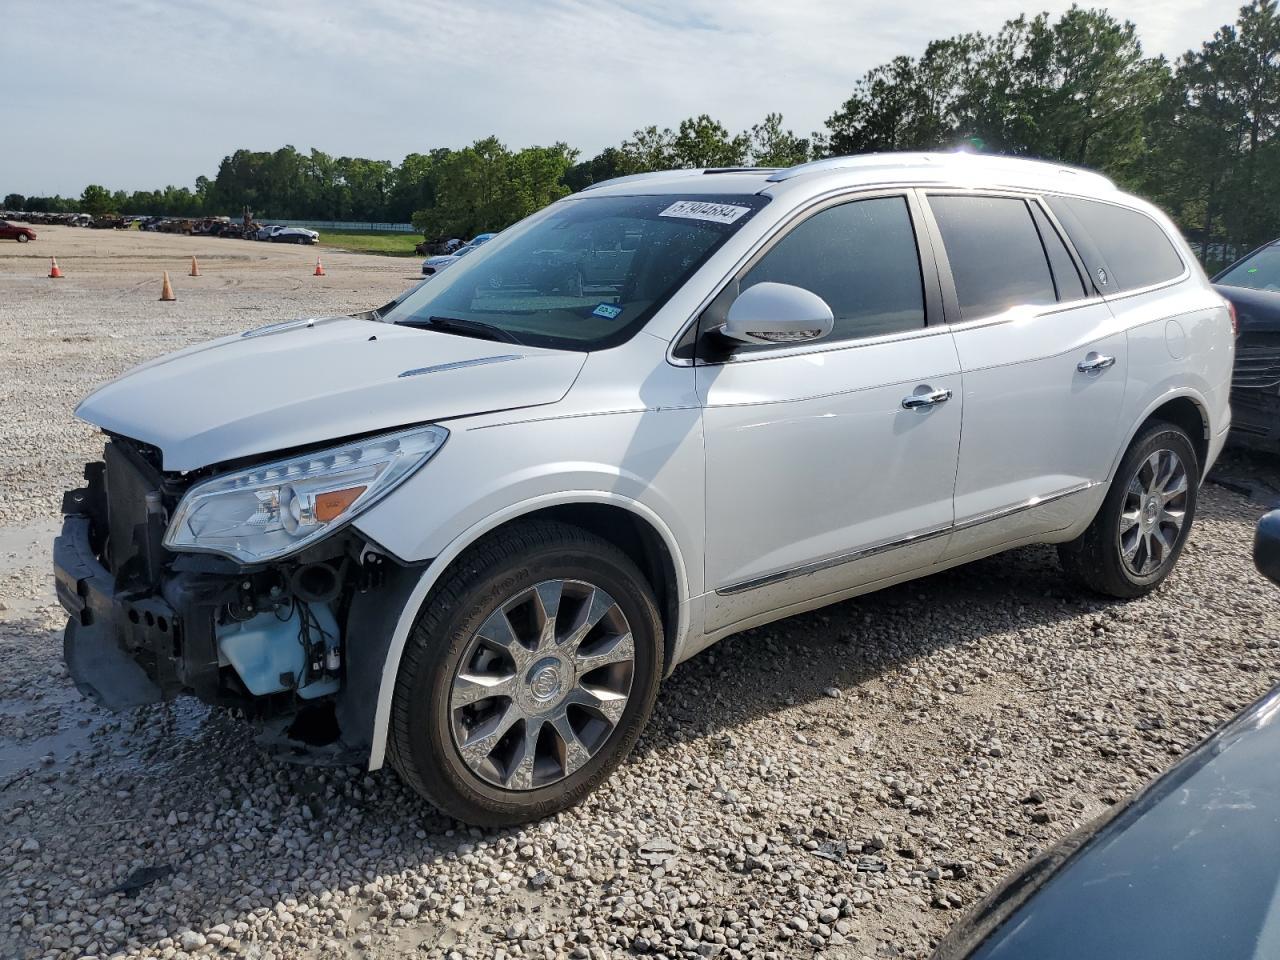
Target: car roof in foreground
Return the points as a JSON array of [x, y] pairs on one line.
[[1185, 870], [869, 170]]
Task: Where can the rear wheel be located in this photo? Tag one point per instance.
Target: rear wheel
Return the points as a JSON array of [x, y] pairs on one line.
[[1138, 534], [532, 669]]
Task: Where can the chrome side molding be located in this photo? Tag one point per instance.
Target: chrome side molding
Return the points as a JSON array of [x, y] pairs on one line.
[[827, 563]]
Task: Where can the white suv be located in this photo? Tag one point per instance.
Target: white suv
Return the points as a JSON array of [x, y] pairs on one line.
[[472, 531]]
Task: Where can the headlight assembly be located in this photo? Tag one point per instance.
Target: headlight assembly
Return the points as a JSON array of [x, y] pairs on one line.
[[267, 512]]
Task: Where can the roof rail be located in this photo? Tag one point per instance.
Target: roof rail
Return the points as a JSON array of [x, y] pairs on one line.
[[637, 177], [679, 172], [968, 159], [741, 169]]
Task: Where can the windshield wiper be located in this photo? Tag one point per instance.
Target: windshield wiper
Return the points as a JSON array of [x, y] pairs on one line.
[[466, 328]]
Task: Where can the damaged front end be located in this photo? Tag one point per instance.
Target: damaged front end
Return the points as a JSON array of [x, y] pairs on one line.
[[296, 639]]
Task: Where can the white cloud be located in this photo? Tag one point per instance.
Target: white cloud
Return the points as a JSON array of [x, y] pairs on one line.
[[141, 93]]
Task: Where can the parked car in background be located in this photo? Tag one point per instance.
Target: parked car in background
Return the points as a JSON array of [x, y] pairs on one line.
[[1187, 869], [293, 235], [13, 231], [277, 233], [1252, 284], [474, 538], [433, 265]]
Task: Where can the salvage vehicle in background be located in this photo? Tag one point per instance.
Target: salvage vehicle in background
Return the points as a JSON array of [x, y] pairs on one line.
[[473, 531], [1185, 870], [1252, 285], [12, 231], [279, 234], [433, 265]]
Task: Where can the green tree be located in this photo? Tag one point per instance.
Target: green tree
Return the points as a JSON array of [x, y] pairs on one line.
[[608, 164], [96, 200], [536, 179], [472, 192], [703, 142], [649, 149], [772, 146], [414, 184], [1213, 157], [14, 201]]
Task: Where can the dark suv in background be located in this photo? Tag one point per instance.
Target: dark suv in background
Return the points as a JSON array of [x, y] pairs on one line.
[[1252, 284]]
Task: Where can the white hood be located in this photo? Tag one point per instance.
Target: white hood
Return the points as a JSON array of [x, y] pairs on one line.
[[324, 380]]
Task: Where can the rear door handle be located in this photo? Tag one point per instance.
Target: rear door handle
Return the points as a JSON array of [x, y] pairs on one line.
[[917, 400], [1095, 363]]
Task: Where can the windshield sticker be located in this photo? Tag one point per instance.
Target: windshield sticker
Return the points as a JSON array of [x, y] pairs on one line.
[[701, 210], [608, 311]]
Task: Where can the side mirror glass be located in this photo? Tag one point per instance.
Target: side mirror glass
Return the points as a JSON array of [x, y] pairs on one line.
[[1266, 547], [777, 313]]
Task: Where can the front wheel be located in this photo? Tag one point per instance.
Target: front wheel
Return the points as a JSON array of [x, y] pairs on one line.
[[23, 238], [528, 677], [1138, 534]]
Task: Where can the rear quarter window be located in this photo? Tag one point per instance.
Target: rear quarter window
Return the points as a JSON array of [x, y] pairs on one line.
[[1124, 249]]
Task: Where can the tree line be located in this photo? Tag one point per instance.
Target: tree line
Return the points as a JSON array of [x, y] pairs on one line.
[[1197, 135]]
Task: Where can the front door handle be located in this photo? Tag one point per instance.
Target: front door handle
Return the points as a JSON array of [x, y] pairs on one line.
[[1095, 363], [917, 400]]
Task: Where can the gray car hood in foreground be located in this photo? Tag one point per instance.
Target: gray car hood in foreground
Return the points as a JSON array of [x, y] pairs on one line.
[[315, 381]]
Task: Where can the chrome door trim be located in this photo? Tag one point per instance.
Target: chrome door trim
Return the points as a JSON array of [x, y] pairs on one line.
[[1001, 513], [827, 563]]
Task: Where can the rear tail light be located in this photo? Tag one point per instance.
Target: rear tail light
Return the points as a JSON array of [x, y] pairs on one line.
[[1235, 319]]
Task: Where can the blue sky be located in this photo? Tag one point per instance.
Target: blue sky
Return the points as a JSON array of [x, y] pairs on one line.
[[136, 94]]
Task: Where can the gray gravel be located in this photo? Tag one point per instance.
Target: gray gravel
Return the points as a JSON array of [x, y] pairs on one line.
[[839, 784]]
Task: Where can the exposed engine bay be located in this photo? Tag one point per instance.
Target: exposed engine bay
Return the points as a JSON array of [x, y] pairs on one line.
[[272, 639]]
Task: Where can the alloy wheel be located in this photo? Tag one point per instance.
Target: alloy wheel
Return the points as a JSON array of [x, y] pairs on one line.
[[542, 685], [1154, 512]]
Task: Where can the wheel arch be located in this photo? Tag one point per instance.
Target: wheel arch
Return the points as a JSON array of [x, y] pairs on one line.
[[1183, 408], [627, 523]]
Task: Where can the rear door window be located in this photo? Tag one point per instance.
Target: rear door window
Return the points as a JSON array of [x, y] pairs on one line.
[[1130, 249], [996, 256], [1066, 278]]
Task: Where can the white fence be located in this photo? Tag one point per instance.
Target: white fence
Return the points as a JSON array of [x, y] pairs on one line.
[[348, 226]]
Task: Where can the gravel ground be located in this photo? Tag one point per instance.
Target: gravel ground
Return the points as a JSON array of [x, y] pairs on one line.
[[838, 784]]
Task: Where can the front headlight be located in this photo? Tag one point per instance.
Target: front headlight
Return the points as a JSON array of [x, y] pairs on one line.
[[267, 512]]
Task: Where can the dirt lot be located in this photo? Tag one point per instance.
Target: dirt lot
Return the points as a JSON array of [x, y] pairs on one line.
[[839, 784]]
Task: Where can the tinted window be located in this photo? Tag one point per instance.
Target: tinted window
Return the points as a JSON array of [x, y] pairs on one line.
[[1133, 250], [1260, 270], [1066, 278], [997, 260], [861, 259]]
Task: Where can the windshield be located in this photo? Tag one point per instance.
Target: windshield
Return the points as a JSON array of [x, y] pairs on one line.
[[1261, 271], [583, 275]]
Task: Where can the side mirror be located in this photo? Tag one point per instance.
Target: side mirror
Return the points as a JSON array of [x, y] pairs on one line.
[[1266, 547], [777, 313]]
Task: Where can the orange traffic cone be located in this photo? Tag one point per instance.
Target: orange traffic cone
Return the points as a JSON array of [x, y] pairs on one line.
[[319, 269], [53, 267], [195, 268], [166, 292]]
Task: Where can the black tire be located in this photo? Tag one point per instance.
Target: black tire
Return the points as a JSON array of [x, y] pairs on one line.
[[23, 238], [1094, 559], [421, 745]]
